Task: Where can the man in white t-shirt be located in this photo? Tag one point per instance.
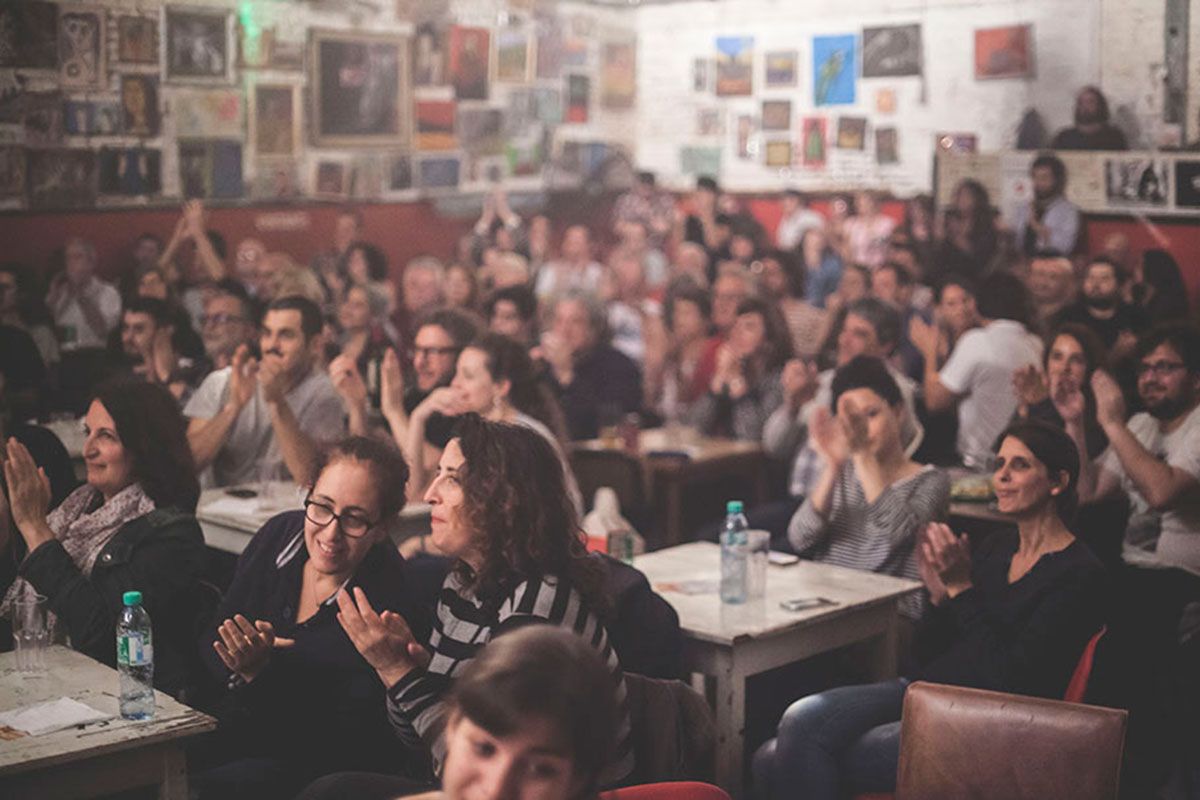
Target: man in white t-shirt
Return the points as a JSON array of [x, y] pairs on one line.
[[264, 419], [1155, 456], [798, 219], [978, 376], [85, 308]]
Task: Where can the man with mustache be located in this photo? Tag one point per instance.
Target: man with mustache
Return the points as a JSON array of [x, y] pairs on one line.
[[1102, 308], [1155, 456], [259, 419], [1049, 222], [1092, 129]]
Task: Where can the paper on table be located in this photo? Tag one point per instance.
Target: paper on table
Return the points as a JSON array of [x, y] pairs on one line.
[[51, 716], [229, 506]]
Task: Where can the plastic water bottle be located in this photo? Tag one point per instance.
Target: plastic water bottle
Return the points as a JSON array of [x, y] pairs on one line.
[[135, 659], [734, 544]]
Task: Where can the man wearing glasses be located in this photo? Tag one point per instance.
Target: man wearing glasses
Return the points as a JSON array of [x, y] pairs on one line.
[[227, 324], [1155, 456]]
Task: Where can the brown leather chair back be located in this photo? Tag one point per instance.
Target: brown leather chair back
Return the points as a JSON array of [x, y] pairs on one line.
[[968, 743]]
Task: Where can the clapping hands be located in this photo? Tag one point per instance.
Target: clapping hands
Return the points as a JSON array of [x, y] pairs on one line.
[[384, 640]]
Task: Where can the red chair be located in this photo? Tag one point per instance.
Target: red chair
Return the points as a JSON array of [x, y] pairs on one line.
[[677, 790], [1076, 689]]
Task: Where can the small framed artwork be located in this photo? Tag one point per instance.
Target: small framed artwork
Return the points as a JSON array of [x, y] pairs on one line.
[[436, 124], [886, 150], [439, 172], [779, 153], [579, 93], [276, 179], [735, 66], [82, 45], [776, 115], [12, 171], [400, 173], [618, 75], [429, 56], [332, 180], [130, 172], [254, 46], [467, 56], [210, 168], [275, 119], [359, 86], [852, 133], [813, 142], [514, 56], [891, 51], [29, 35], [198, 45], [1004, 52], [62, 178], [139, 105], [137, 40], [780, 69]]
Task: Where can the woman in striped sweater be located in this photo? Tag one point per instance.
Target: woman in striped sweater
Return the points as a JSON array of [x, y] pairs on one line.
[[501, 509]]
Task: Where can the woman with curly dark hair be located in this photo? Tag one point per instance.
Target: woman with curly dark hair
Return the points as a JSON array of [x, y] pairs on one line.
[[501, 510]]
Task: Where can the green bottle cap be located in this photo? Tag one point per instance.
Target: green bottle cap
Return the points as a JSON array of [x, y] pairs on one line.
[[733, 507], [132, 598]]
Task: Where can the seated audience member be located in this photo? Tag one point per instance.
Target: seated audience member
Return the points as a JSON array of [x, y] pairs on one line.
[[1159, 289], [699, 225], [247, 266], [1049, 221], [300, 701], [647, 205], [505, 270], [228, 323], [501, 510], [745, 387], [745, 240], [365, 265], [596, 384], [147, 348], [634, 318], [732, 285], [363, 339], [462, 288], [538, 243], [871, 329], [21, 368], [184, 338], [1073, 354], [498, 226], [495, 378], [283, 277], [978, 376], [683, 374], [347, 230], [955, 312], [1092, 129], [894, 285], [919, 227], [853, 285], [867, 231], [798, 219], [822, 266], [574, 270], [633, 241], [1155, 456], [783, 280], [1051, 287], [530, 715], [130, 527], [1012, 616], [971, 245], [422, 289], [85, 308], [512, 311], [1101, 309], [872, 501], [22, 308], [691, 261], [197, 255], [259, 419]]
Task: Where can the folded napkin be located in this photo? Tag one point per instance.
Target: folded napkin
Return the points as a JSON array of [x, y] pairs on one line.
[[51, 716]]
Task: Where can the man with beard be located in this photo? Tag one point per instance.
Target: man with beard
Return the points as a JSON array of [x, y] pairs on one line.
[[227, 323], [147, 351], [262, 419], [1049, 222], [1155, 456], [1102, 309], [1092, 130]]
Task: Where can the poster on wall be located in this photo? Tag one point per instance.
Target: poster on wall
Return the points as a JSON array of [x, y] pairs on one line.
[[130, 172], [137, 40], [468, 52], [29, 35], [1137, 182], [359, 89], [41, 117], [812, 142], [886, 150], [197, 45], [139, 105], [210, 168], [549, 48], [208, 113], [891, 52], [429, 57], [514, 56], [834, 68], [62, 178], [439, 172], [481, 131], [700, 160], [12, 171], [332, 180], [81, 48], [579, 90], [778, 153], [1004, 52], [275, 119], [435, 125], [852, 133], [780, 69], [735, 66], [276, 179], [400, 173], [618, 75], [1187, 183], [777, 115]]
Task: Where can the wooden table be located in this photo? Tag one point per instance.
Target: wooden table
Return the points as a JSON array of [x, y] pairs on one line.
[[100, 758], [672, 460], [229, 522], [732, 643]]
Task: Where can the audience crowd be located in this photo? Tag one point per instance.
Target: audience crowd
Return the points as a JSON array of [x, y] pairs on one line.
[[870, 347]]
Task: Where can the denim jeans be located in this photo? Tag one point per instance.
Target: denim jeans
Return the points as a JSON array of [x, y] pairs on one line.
[[841, 740]]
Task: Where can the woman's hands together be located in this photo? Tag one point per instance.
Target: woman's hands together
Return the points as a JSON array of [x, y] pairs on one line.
[[246, 648]]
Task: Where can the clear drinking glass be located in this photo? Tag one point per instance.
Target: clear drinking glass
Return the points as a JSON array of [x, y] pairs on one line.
[[758, 548], [31, 632]]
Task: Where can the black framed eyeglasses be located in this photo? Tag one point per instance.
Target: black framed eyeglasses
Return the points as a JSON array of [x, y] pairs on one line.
[[1161, 369], [353, 524]]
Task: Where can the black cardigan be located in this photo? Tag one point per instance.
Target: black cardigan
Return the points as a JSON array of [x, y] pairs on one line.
[[318, 705], [161, 555], [1025, 637]]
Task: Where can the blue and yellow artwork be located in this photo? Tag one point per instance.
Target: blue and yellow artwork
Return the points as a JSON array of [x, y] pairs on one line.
[[835, 70], [735, 66]]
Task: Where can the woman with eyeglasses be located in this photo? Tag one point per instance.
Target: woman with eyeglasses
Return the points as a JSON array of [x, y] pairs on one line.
[[300, 701]]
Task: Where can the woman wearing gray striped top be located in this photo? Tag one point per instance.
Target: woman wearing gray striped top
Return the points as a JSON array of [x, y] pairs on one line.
[[501, 509], [872, 501]]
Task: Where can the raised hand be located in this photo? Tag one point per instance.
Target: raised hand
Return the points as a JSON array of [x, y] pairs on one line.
[[28, 492], [1068, 399], [273, 379], [1110, 403], [929, 575], [348, 382], [391, 386], [949, 556], [384, 640], [923, 336], [1029, 383], [246, 648], [828, 437], [854, 425], [799, 382], [194, 218], [444, 401], [243, 377]]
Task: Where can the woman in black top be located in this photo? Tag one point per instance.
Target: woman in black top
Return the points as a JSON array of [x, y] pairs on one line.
[[301, 701], [1013, 617]]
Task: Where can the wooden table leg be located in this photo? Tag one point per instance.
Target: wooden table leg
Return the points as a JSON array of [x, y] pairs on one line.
[[884, 658], [731, 726], [673, 526], [174, 775]]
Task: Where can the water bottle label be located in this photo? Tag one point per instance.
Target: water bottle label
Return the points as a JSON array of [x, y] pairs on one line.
[[134, 651]]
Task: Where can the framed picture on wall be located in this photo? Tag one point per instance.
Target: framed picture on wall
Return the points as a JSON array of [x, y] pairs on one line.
[[514, 56], [198, 45], [139, 105], [891, 51], [62, 178], [780, 69], [1004, 52], [130, 172], [137, 40], [29, 35], [360, 90], [275, 119], [735, 66], [12, 171], [467, 55], [81, 48], [618, 75]]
